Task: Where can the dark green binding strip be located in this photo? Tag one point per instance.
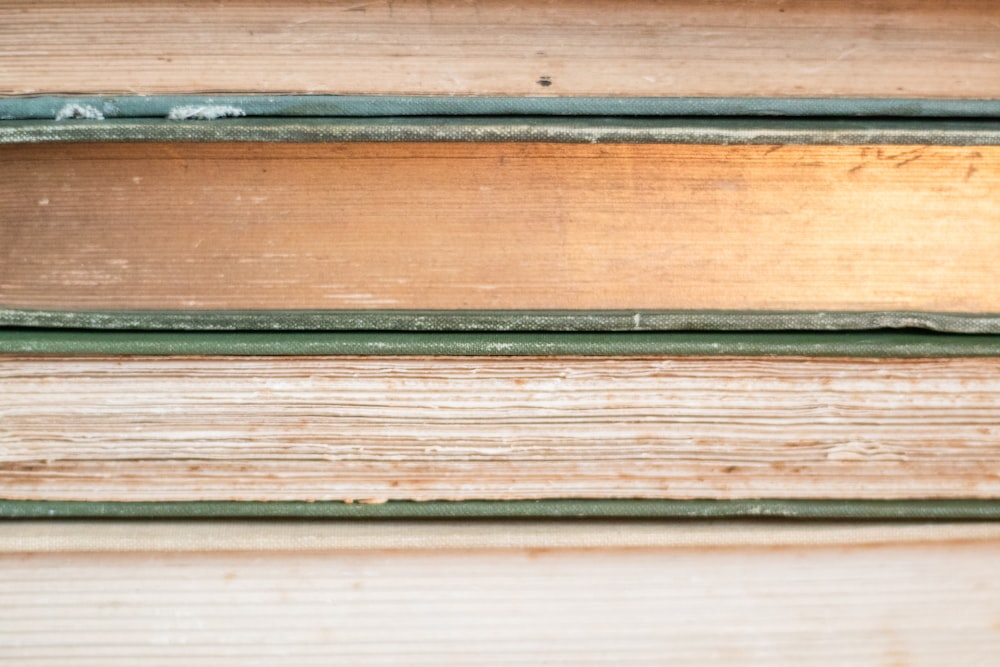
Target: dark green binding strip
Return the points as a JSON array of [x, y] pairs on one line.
[[386, 343], [499, 320], [160, 106], [747, 131], [951, 509]]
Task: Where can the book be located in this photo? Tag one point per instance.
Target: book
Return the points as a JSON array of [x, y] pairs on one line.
[[511, 592], [874, 54], [660, 416], [651, 219]]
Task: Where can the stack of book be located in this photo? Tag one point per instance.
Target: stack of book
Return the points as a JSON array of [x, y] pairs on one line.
[[497, 332]]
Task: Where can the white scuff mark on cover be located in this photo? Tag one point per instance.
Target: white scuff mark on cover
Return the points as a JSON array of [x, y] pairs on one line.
[[205, 112], [74, 111]]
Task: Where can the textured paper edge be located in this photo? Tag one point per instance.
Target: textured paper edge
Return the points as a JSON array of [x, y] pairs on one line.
[[181, 536]]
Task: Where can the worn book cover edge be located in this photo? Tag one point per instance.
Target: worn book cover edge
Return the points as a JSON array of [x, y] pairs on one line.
[[216, 106], [925, 509], [497, 320], [877, 344], [553, 129]]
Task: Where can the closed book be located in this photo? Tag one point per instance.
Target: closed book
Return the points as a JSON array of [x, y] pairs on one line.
[[379, 417], [682, 57], [493, 224], [498, 593]]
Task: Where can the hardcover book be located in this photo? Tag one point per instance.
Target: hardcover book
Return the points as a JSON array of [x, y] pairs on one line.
[[498, 593], [891, 57], [672, 417], [500, 224]]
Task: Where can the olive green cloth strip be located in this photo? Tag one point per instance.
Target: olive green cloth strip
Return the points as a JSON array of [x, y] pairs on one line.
[[841, 344], [499, 320], [160, 106], [747, 131], [952, 509]]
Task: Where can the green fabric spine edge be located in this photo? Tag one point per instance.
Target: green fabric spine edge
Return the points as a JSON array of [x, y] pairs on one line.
[[898, 344], [952, 509], [161, 106], [487, 320], [745, 131]]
